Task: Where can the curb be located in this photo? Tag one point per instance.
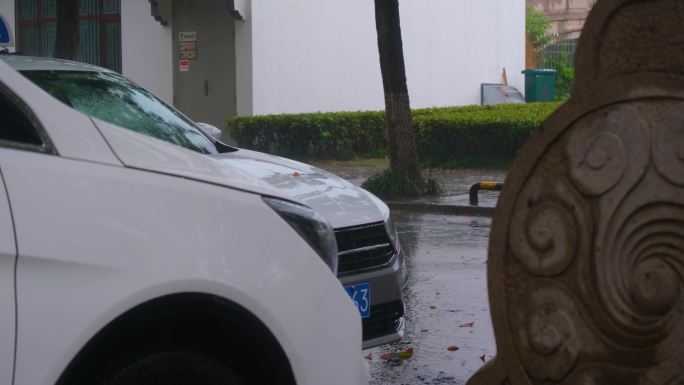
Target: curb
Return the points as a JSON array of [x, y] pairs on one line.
[[442, 209]]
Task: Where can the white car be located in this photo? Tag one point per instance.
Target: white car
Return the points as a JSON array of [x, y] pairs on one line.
[[129, 260], [371, 260]]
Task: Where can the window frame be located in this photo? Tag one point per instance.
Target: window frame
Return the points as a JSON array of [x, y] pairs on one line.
[[95, 14], [47, 147]]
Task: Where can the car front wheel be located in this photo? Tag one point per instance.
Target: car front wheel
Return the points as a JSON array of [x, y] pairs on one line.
[[172, 368]]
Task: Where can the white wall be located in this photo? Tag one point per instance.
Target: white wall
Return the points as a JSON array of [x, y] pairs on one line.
[[146, 45], [243, 59], [512, 18], [451, 47], [315, 55], [321, 55], [8, 13]]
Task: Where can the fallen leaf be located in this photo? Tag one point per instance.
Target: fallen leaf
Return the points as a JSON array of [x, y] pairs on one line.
[[386, 356], [406, 354], [482, 357], [369, 356], [468, 325], [433, 307], [453, 348]]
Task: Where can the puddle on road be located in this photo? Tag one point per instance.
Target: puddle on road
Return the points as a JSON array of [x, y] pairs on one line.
[[446, 292]]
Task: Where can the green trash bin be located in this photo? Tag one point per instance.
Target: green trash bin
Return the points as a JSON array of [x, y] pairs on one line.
[[540, 85]]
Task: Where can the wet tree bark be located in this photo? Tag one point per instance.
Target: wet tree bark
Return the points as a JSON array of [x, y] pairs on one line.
[[66, 44], [400, 134]]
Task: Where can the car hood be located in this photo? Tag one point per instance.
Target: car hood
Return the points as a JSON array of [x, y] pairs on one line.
[[339, 201], [342, 203]]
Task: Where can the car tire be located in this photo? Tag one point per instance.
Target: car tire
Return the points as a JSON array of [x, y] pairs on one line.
[[172, 368]]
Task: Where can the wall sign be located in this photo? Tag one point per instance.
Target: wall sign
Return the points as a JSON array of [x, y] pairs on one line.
[[184, 65], [189, 55], [187, 45], [187, 36]]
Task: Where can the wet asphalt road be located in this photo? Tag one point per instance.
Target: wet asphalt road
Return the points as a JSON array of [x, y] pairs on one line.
[[446, 288]]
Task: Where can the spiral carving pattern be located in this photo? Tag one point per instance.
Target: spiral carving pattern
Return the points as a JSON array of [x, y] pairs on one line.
[[547, 239], [586, 257], [668, 146], [544, 231], [547, 337], [642, 272], [605, 239], [598, 149]]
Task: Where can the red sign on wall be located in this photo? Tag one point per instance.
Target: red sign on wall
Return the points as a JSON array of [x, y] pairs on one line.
[[184, 65]]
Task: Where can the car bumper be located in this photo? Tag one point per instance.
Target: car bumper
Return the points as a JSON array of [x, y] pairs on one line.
[[387, 338], [332, 353], [385, 323]]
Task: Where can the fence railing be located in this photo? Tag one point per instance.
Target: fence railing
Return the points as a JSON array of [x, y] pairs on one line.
[[557, 52]]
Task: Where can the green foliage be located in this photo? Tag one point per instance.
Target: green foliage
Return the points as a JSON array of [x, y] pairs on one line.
[[565, 78], [536, 27], [485, 137], [389, 185], [329, 135], [447, 136]]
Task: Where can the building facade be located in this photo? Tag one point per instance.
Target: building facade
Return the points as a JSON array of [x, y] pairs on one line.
[[566, 16], [216, 58], [567, 19], [99, 30]]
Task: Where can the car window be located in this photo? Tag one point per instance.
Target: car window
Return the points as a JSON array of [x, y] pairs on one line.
[[16, 127], [114, 99]]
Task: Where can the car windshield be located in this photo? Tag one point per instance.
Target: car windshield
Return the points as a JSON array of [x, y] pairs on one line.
[[114, 99]]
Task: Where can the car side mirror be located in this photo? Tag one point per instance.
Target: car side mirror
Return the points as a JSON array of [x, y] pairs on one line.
[[210, 130]]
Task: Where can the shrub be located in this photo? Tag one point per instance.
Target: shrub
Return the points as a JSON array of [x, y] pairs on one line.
[[447, 136], [484, 137], [565, 78], [329, 135], [536, 27], [388, 185]]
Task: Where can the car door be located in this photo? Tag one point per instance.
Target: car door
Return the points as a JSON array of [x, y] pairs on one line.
[[8, 250], [8, 257]]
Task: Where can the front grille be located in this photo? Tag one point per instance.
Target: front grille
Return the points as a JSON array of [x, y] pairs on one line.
[[384, 319], [363, 247]]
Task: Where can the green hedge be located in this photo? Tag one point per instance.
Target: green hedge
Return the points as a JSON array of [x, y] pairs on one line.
[[447, 136], [483, 136], [328, 135]]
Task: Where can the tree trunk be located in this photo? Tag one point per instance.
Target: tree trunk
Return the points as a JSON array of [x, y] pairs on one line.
[[66, 44], [400, 133]]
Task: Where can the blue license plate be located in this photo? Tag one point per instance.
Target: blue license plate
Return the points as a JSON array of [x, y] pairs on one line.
[[360, 293]]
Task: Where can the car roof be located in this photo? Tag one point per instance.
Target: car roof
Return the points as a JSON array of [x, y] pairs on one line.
[[33, 63]]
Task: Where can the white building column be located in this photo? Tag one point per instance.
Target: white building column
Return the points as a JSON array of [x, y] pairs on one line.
[[147, 48], [243, 59]]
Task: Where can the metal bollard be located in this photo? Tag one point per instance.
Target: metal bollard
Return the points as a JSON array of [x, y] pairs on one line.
[[474, 189]]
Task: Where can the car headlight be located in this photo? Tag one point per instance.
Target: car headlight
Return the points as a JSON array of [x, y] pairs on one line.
[[311, 226], [392, 232]]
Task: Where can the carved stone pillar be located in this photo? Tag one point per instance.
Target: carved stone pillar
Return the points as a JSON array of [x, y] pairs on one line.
[[586, 255]]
